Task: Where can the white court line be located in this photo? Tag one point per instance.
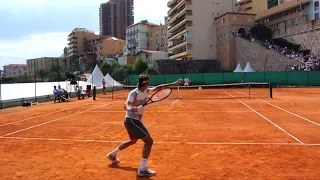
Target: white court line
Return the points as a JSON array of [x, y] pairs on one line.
[[57, 119], [172, 104], [175, 111], [41, 115], [162, 142], [265, 118], [286, 110]]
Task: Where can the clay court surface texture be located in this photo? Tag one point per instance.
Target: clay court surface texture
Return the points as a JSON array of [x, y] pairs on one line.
[[199, 134]]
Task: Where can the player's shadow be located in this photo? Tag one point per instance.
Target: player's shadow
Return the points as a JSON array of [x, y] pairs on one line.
[[116, 166]]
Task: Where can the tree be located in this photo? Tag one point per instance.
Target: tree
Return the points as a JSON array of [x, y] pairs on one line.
[[140, 66], [152, 71], [261, 32], [106, 68], [42, 73], [114, 65]]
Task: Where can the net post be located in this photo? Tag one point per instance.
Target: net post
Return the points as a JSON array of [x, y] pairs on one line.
[[94, 92], [249, 89], [112, 89], [0, 90], [270, 90]]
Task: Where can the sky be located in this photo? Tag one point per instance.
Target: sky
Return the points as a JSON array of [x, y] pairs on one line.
[[38, 28]]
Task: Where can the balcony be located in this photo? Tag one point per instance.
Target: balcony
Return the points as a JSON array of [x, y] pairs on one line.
[[180, 3], [175, 27], [70, 37], [178, 43], [171, 2], [177, 20], [177, 33], [177, 16], [188, 7], [182, 52], [132, 32]]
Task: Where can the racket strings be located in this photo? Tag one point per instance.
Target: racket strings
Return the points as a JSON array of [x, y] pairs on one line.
[[161, 94]]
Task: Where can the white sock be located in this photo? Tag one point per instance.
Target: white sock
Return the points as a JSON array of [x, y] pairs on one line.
[[115, 151], [143, 163]]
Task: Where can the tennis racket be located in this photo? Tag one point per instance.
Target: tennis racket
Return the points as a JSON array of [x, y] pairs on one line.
[[156, 97]]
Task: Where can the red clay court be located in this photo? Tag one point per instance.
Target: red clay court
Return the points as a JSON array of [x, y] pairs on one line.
[[199, 134]]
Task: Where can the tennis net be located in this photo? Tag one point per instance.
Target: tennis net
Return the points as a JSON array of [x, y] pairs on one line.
[[214, 91]]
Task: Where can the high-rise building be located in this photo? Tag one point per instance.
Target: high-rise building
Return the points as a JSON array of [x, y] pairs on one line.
[[76, 41], [191, 27], [114, 16]]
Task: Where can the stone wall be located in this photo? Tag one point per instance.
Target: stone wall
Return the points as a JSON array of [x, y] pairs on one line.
[[186, 66], [226, 34], [306, 34], [260, 58], [308, 41]]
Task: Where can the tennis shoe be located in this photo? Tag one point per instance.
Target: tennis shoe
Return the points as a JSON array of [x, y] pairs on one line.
[[146, 172], [113, 158]]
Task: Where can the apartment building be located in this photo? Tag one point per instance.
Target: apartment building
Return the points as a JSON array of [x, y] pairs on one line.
[[109, 47], [289, 14], [191, 27], [76, 41], [14, 70], [114, 16], [48, 63], [137, 37], [251, 6], [158, 37], [228, 26]]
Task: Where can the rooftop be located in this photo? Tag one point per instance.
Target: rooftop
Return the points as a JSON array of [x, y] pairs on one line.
[[237, 13], [145, 22], [15, 65]]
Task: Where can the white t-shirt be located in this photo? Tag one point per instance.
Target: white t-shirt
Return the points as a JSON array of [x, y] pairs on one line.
[[186, 81], [139, 98]]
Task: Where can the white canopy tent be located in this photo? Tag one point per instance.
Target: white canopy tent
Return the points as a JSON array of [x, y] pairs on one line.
[[110, 81], [248, 68], [238, 68], [96, 77]]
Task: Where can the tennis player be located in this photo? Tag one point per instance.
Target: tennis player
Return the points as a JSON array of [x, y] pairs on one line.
[[134, 125]]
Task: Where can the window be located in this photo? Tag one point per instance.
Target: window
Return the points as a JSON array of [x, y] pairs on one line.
[[316, 16], [156, 41], [316, 6], [190, 35], [150, 43], [162, 40]]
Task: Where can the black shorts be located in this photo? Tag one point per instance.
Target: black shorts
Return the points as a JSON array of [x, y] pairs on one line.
[[135, 128]]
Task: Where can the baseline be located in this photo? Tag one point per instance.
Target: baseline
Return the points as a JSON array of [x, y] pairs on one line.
[[175, 111], [162, 142]]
